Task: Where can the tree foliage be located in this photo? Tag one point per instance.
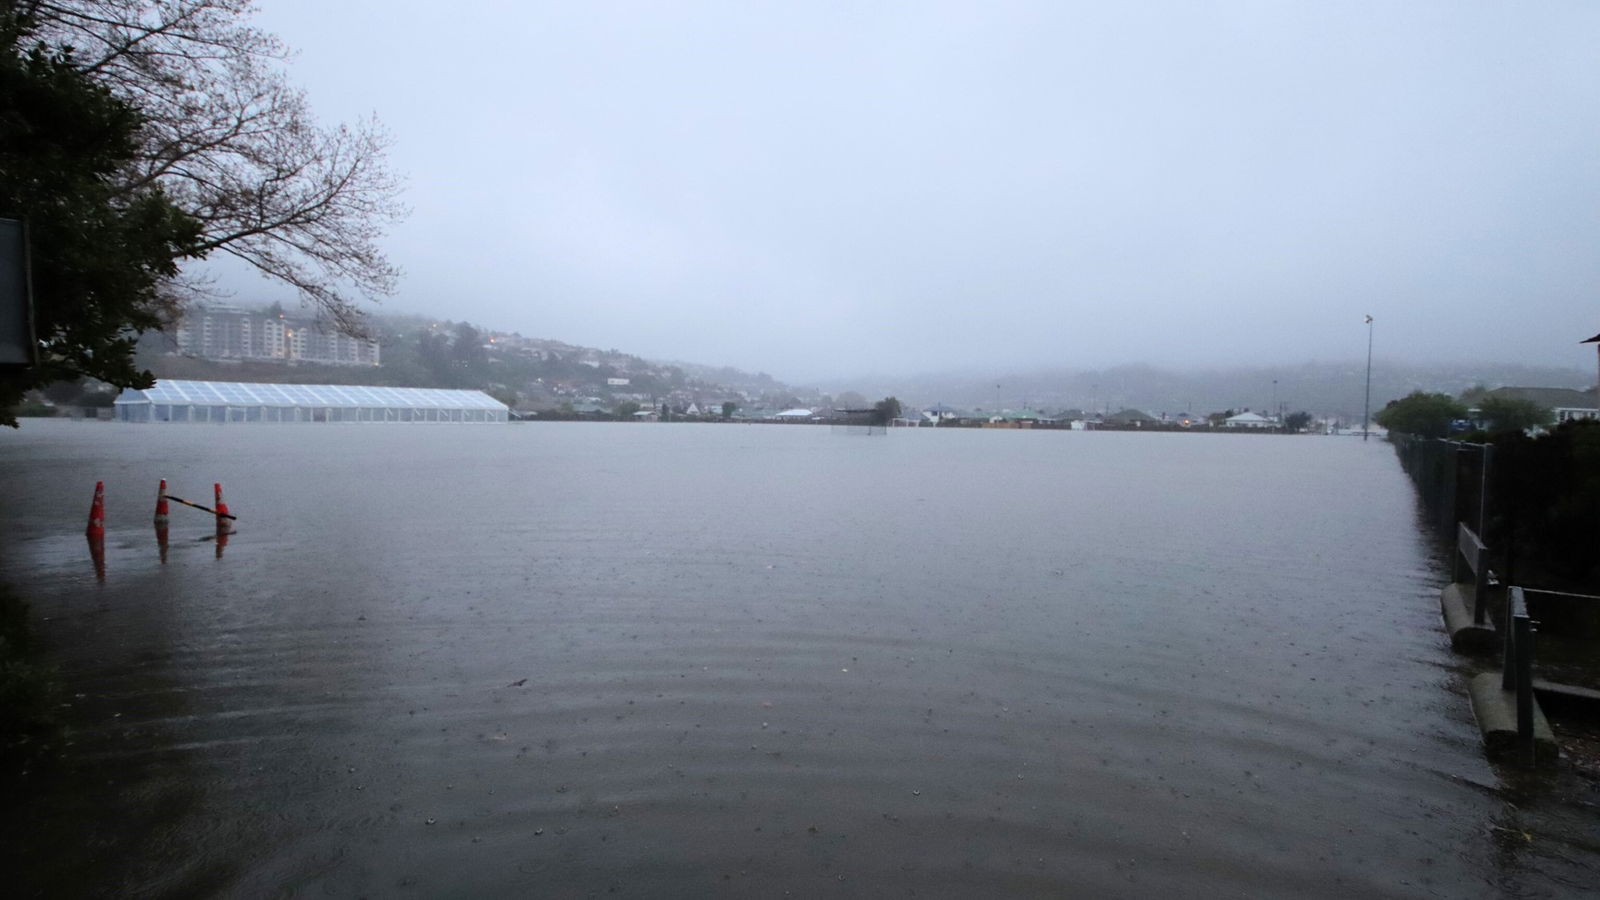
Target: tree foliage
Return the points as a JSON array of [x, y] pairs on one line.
[[886, 410], [1296, 422], [1545, 505], [102, 250], [234, 145], [138, 134], [1501, 413], [1421, 414]]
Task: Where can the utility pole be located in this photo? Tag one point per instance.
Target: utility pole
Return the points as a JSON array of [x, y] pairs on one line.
[[1366, 410], [1596, 342]]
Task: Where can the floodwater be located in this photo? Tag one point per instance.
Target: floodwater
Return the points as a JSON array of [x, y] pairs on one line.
[[572, 660]]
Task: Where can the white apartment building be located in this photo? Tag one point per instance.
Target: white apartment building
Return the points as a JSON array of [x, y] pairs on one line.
[[235, 333]]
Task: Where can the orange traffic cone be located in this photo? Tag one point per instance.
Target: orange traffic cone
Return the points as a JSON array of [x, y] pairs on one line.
[[224, 525], [97, 512], [161, 505], [97, 554]]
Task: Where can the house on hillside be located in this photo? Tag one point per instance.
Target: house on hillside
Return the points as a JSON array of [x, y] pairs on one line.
[[1130, 418], [1565, 403], [1248, 419]]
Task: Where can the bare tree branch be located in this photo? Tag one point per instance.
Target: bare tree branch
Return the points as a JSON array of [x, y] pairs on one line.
[[233, 144]]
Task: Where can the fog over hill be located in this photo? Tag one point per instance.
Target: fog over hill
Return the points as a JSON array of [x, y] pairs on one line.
[[1332, 389], [568, 372]]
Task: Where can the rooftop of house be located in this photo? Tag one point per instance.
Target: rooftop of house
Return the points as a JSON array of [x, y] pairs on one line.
[[1553, 398]]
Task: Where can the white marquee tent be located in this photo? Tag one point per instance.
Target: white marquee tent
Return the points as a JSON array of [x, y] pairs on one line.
[[232, 401]]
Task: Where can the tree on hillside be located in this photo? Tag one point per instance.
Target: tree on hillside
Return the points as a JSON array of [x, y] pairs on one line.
[[101, 249], [1421, 414], [1473, 394], [1512, 413], [470, 360], [502, 393], [728, 408], [433, 349]]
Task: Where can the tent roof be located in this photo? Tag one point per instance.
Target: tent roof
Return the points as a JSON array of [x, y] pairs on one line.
[[238, 393]]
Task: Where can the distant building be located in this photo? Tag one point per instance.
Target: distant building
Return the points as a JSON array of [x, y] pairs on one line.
[[1565, 403], [1131, 418], [1249, 419], [235, 333]]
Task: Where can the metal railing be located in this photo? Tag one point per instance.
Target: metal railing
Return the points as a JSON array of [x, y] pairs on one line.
[[1452, 478]]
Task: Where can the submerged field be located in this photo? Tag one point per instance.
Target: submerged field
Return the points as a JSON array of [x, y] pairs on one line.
[[678, 660]]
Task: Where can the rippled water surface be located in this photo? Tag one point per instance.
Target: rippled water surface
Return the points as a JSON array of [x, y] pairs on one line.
[[565, 660]]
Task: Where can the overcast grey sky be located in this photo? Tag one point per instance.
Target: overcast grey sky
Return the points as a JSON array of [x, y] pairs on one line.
[[817, 189]]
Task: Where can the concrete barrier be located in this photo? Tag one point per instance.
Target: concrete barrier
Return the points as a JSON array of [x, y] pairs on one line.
[[1495, 708], [1466, 636]]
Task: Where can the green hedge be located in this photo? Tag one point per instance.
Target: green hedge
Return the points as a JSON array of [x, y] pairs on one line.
[[1545, 496]]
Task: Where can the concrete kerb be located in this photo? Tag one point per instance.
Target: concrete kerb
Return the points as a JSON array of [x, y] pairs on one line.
[[1496, 711], [1455, 601]]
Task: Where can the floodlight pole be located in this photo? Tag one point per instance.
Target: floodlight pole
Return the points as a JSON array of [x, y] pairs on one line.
[[1596, 342], [1366, 409]]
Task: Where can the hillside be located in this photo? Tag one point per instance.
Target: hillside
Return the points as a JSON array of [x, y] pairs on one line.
[[1333, 389], [531, 374], [542, 374]]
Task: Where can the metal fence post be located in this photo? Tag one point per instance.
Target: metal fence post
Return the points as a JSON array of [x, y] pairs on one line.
[[1524, 638], [1511, 501], [1480, 588], [1483, 491], [1508, 667], [1447, 490]]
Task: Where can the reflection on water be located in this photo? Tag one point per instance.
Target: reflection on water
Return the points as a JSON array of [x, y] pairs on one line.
[[561, 660], [97, 555]]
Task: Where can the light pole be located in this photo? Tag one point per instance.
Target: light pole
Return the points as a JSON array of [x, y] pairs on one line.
[[1366, 409], [1275, 397], [1596, 342]]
